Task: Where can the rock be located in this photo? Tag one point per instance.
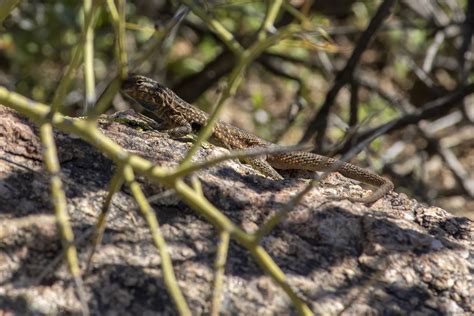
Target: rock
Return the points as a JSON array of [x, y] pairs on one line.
[[395, 257]]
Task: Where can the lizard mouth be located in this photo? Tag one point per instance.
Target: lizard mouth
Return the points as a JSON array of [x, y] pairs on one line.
[[136, 87], [132, 83], [141, 90]]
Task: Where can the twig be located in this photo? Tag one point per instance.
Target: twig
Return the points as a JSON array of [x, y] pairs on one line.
[[354, 104], [89, 79], [60, 208], [319, 122], [6, 7], [114, 186], [219, 272], [159, 241], [216, 27], [430, 110], [432, 51], [453, 163], [241, 154], [71, 69], [468, 33]]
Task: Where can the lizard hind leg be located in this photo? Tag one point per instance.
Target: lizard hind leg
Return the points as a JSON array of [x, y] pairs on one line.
[[264, 167]]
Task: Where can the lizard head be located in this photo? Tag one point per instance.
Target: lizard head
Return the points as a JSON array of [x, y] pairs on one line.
[[142, 89]]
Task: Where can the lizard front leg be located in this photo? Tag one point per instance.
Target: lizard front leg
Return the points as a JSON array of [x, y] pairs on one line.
[[182, 127]]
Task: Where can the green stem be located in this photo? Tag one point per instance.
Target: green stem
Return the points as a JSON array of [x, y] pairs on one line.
[[58, 199], [159, 241]]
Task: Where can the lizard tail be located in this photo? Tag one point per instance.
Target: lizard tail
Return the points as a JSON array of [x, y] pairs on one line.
[[313, 162]]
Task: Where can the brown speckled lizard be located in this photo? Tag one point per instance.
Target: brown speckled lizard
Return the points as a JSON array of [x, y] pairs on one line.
[[181, 118]]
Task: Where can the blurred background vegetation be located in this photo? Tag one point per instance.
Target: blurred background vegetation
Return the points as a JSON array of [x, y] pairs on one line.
[[416, 56]]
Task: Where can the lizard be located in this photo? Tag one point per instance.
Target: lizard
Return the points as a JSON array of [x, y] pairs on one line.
[[180, 118]]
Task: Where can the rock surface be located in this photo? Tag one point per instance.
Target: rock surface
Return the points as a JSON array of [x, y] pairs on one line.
[[395, 257]]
